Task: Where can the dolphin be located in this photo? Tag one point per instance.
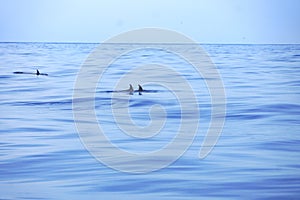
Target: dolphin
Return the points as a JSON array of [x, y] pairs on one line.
[[130, 90], [37, 73], [140, 90]]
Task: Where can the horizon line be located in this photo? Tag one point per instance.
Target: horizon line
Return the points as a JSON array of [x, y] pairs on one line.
[[199, 43]]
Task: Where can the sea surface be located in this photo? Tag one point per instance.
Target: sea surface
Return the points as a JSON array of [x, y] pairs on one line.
[[42, 155]]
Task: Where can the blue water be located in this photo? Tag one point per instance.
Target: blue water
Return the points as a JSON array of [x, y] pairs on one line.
[[256, 157]]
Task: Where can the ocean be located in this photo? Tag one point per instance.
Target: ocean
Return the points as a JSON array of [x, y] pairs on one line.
[[44, 153]]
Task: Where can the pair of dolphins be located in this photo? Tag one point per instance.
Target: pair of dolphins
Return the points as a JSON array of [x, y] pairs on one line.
[[131, 90]]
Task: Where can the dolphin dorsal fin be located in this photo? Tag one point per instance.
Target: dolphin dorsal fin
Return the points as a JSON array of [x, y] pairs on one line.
[[140, 88], [131, 90]]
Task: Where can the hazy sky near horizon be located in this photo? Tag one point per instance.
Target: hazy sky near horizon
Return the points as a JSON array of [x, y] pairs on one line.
[[205, 21]]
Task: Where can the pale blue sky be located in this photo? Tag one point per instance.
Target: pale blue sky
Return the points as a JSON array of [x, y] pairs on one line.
[[205, 21]]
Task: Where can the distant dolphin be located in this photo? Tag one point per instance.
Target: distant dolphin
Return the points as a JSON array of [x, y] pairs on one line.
[[130, 90], [140, 90], [37, 73]]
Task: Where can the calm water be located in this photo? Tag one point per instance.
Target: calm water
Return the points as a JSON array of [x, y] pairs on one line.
[[256, 157]]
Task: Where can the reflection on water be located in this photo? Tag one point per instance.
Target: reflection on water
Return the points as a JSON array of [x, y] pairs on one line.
[[41, 154]]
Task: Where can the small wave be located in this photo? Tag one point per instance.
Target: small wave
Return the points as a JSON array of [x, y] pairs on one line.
[[5, 76], [38, 103]]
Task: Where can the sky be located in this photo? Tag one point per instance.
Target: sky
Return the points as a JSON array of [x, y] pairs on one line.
[[205, 21]]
